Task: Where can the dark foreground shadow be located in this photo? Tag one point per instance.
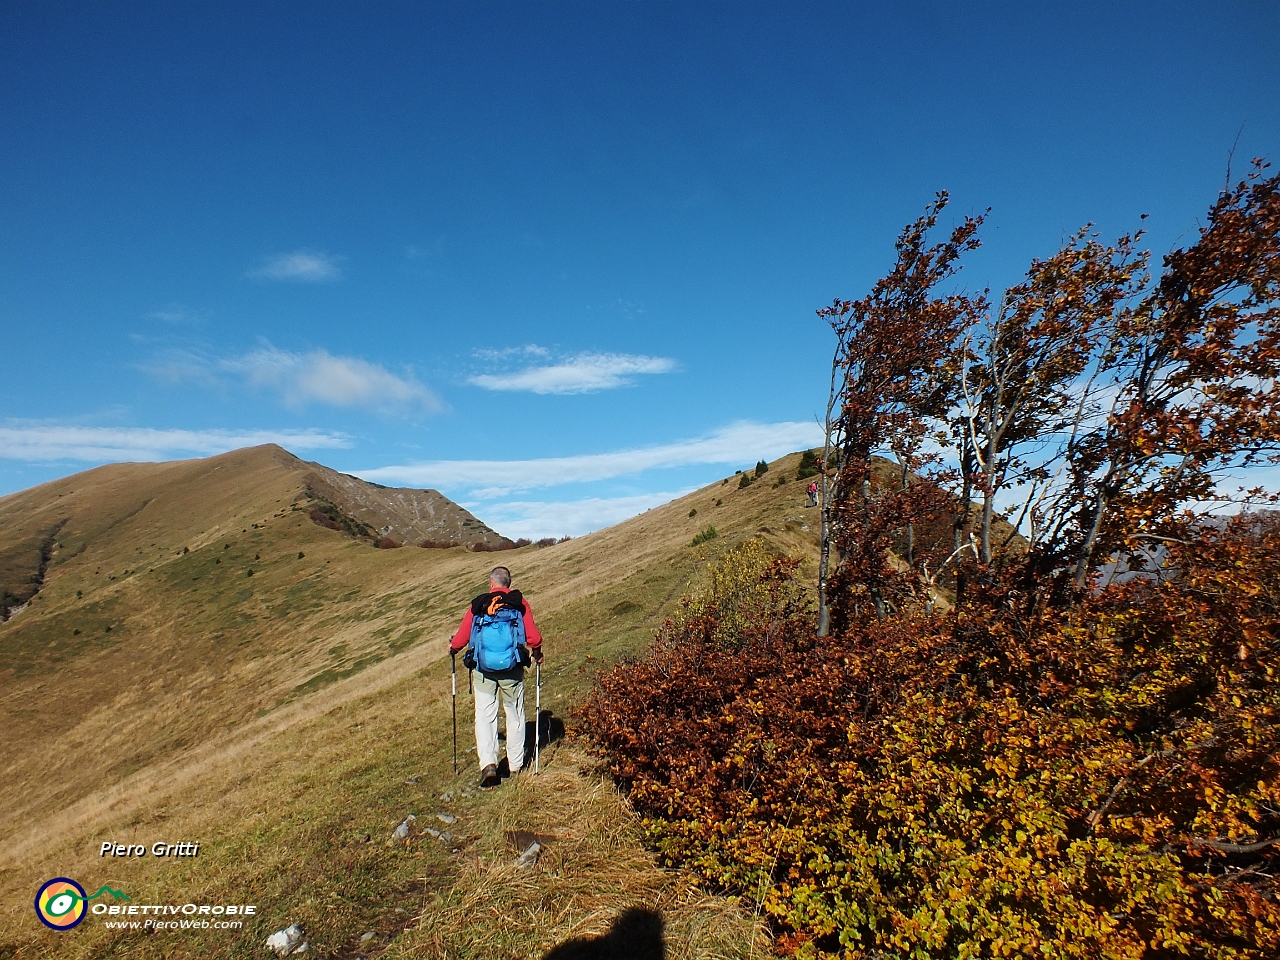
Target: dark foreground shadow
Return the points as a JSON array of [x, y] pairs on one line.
[[552, 728], [635, 935], [549, 725]]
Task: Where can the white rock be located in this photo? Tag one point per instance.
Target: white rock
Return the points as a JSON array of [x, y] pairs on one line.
[[283, 942], [445, 818], [402, 832], [530, 856], [366, 937]]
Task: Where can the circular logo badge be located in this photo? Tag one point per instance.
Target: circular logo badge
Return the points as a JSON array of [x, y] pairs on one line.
[[61, 903]]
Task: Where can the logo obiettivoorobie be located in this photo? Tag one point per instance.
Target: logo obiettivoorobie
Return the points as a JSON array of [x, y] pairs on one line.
[[61, 902]]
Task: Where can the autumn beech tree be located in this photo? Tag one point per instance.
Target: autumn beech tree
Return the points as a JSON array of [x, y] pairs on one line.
[[1093, 409], [1196, 396], [1024, 382], [893, 383]]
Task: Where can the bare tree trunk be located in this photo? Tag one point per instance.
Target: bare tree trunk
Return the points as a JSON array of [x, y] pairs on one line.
[[1085, 560], [989, 487], [911, 530], [962, 510], [877, 600], [988, 509], [962, 520], [824, 517], [824, 612], [1117, 472]]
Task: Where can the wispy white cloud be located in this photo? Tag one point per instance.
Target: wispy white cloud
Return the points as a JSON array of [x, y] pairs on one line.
[[182, 366], [507, 353], [536, 520], [300, 378], [740, 443], [42, 442], [321, 377], [583, 373], [303, 265], [179, 315]]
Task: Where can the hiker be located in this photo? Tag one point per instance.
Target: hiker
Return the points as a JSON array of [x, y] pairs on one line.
[[503, 638], [812, 490]]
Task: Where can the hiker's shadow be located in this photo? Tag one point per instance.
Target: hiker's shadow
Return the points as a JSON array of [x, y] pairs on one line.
[[550, 726], [635, 935]]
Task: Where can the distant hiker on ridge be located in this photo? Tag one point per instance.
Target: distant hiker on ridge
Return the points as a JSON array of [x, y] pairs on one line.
[[500, 630]]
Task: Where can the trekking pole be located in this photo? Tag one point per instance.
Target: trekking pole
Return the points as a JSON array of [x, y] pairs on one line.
[[537, 719], [453, 678]]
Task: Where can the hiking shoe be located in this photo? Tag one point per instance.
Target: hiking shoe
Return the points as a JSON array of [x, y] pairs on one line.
[[489, 777]]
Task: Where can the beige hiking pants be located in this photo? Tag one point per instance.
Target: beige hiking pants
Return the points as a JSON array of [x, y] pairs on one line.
[[487, 693]]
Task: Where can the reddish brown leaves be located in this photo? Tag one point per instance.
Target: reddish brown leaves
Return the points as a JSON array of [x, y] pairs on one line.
[[1100, 406], [1085, 782]]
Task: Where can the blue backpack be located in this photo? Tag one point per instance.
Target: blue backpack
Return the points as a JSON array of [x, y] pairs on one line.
[[496, 636]]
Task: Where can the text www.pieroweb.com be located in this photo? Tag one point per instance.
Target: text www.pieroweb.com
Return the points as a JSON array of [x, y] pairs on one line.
[[183, 924], [189, 916]]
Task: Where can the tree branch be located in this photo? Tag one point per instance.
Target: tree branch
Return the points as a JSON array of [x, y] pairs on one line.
[[1225, 847]]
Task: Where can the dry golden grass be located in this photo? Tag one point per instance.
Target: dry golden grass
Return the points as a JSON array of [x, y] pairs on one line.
[[152, 650], [592, 869], [277, 724]]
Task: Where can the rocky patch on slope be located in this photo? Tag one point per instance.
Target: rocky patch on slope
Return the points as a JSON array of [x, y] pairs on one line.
[[404, 515]]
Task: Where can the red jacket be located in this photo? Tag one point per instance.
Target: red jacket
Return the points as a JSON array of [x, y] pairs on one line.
[[532, 635]]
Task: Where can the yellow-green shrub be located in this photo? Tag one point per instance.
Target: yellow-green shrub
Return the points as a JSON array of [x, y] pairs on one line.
[[1095, 782]]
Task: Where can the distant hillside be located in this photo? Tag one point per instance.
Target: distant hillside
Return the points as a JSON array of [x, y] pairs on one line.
[[55, 522], [405, 515]]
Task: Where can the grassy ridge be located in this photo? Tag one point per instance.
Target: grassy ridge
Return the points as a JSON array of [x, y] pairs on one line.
[[276, 718]]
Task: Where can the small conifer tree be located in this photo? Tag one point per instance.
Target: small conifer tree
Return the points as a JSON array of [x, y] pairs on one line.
[[705, 535], [808, 465]]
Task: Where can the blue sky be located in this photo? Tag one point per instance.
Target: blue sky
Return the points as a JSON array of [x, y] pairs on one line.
[[559, 261]]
